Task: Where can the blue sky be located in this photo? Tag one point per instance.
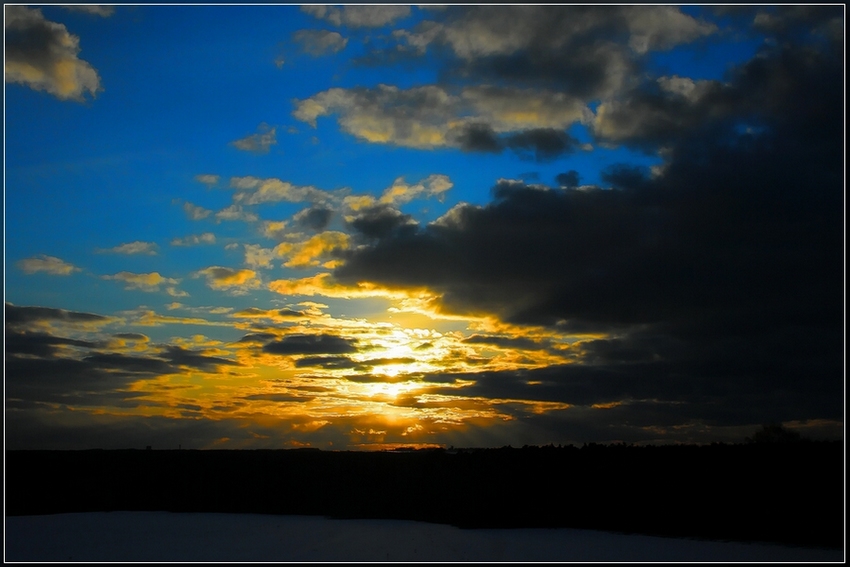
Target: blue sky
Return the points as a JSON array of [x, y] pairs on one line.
[[279, 226]]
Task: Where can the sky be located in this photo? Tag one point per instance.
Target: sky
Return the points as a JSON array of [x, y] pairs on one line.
[[360, 227]]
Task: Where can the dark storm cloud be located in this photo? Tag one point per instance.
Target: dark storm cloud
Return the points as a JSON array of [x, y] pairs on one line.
[[128, 365], [570, 179], [478, 137], [541, 144], [720, 272], [315, 218], [193, 359], [382, 221], [39, 344], [44, 376], [311, 344], [508, 342], [18, 316]]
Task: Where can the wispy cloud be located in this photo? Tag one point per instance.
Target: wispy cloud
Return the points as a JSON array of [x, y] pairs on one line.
[[359, 16], [195, 212], [137, 247], [207, 179], [47, 264], [260, 142], [320, 42], [194, 239], [144, 282]]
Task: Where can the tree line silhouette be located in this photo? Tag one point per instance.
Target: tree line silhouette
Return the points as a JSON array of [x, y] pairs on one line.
[[775, 488]]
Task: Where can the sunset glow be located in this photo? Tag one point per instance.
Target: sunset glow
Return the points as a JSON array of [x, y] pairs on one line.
[[364, 227]]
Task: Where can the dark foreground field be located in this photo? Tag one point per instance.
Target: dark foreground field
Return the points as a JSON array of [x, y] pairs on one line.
[[784, 493]]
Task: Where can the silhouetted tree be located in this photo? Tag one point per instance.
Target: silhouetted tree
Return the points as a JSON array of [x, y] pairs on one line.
[[774, 433]]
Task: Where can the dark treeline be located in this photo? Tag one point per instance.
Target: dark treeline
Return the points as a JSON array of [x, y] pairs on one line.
[[790, 493]]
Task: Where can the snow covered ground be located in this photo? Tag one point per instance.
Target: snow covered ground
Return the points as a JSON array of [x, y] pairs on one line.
[[164, 536]]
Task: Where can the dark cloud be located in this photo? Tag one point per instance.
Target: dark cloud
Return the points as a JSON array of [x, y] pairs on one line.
[[718, 275], [508, 342], [17, 315], [311, 344], [257, 338], [588, 51], [541, 144], [131, 336], [180, 356], [43, 56], [315, 218], [569, 179], [382, 221], [130, 364], [478, 137], [39, 344]]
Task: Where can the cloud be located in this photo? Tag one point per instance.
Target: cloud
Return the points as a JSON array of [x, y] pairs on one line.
[[381, 221], [314, 218], [320, 42], [254, 191], [311, 344], [474, 119], [274, 230], [258, 257], [400, 192], [358, 16], [227, 279], [588, 51], [185, 358], [23, 316], [311, 252], [194, 239], [691, 277], [542, 144], [195, 212], [324, 284], [144, 282], [43, 56], [137, 247], [47, 264], [260, 142], [235, 213], [207, 179], [103, 11]]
